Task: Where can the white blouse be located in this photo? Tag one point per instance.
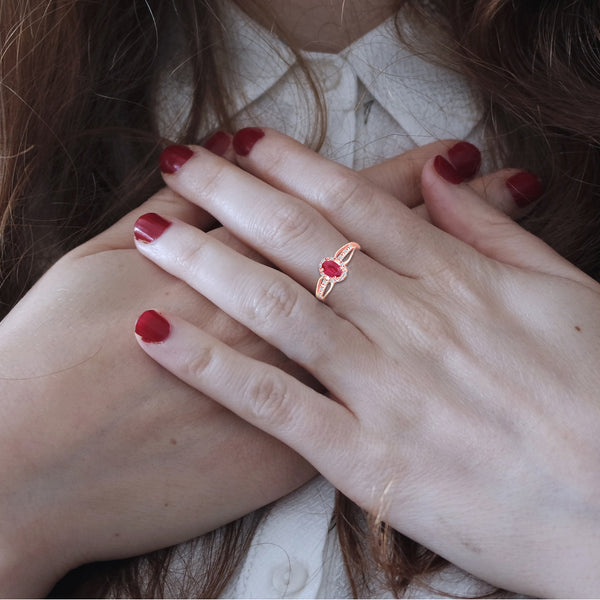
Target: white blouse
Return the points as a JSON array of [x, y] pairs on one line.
[[381, 100]]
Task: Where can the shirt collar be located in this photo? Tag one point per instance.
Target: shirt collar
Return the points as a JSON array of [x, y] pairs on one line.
[[427, 100], [260, 58]]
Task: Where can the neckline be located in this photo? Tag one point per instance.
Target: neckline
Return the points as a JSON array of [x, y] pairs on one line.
[[308, 48]]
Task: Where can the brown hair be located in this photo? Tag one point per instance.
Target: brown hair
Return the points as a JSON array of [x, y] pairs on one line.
[[79, 145]]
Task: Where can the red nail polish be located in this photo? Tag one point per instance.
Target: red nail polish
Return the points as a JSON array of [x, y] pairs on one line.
[[244, 139], [525, 188], [152, 327], [218, 143], [445, 170], [173, 158], [149, 227], [465, 158]]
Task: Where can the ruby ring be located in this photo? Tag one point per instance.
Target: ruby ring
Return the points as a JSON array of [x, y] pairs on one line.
[[334, 270]]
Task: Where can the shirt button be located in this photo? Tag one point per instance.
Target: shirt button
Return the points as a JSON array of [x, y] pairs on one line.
[[289, 578], [330, 72]]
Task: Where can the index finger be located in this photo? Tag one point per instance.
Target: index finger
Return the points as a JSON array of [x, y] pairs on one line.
[[289, 229]]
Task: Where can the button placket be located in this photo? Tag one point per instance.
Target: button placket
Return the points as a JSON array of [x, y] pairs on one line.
[[339, 85], [289, 578], [285, 559]]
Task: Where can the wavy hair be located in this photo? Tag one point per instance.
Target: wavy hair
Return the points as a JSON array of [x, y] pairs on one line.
[[79, 144]]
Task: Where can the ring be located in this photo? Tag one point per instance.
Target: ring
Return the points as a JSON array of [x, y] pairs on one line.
[[334, 269]]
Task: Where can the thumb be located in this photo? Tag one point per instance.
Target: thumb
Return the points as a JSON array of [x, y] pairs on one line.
[[400, 176], [458, 209]]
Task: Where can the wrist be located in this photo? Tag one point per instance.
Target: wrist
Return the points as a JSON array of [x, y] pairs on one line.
[[29, 574], [32, 558]]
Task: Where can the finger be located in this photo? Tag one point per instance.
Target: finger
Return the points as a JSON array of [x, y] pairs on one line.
[[510, 191], [165, 201], [459, 210], [294, 235], [400, 176], [284, 229], [266, 301], [344, 197], [259, 393], [220, 143]]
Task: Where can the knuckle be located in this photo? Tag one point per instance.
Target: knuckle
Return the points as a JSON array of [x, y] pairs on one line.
[[470, 292], [345, 191], [431, 331], [270, 400], [208, 184], [191, 256], [434, 331], [454, 276], [277, 302], [288, 225], [199, 364], [279, 161]]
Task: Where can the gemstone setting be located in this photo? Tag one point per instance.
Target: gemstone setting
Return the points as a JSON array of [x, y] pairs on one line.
[[333, 269]]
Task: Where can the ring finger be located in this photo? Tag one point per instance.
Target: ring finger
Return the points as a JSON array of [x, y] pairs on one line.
[[263, 299]]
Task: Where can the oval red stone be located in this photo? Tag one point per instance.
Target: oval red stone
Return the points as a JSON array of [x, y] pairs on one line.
[[331, 268]]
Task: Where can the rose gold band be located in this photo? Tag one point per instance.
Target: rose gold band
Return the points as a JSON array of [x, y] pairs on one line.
[[334, 269]]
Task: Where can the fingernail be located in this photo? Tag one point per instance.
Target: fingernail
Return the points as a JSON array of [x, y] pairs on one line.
[[525, 188], [465, 158], [173, 158], [218, 143], [152, 327], [150, 227], [244, 139], [446, 171]]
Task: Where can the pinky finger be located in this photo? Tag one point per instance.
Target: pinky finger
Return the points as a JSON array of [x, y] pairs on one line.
[[259, 393]]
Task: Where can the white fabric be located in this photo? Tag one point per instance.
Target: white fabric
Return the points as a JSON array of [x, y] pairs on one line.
[[286, 558], [295, 554], [381, 100]]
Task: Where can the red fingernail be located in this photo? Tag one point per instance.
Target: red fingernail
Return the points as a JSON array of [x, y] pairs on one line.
[[173, 158], [446, 171], [149, 227], [218, 143], [525, 188], [152, 327], [465, 158], [244, 139]]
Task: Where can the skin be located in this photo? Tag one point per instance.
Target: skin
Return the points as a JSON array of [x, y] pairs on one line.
[[117, 456], [104, 453], [318, 26], [461, 360]]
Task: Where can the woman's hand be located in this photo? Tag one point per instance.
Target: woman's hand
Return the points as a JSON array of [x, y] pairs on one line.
[[104, 454], [462, 373]]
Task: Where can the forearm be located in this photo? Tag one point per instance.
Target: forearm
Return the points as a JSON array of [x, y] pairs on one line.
[[31, 558], [27, 572]]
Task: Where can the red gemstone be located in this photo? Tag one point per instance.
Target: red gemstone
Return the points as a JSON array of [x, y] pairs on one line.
[[331, 268]]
